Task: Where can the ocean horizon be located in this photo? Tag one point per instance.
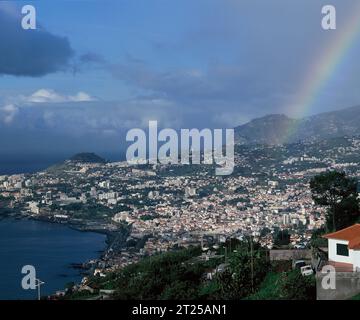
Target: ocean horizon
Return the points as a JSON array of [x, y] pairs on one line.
[[31, 163]]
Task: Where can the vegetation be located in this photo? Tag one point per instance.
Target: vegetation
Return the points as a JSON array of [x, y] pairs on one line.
[[171, 275], [295, 286], [87, 158], [147, 217], [4, 206], [281, 238], [240, 269], [248, 266], [338, 193], [286, 285], [357, 297], [317, 241]]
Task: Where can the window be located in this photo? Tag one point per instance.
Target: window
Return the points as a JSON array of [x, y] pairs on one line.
[[342, 250]]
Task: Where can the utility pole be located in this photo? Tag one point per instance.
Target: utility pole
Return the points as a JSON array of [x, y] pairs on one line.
[[38, 284], [252, 263]]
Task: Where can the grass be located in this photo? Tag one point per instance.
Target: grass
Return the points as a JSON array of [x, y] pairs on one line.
[[269, 289], [357, 297]]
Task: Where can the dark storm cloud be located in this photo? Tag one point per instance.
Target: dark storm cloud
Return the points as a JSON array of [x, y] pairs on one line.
[[225, 64], [191, 84], [248, 57], [245, 56], [32, 53], [78, 126]]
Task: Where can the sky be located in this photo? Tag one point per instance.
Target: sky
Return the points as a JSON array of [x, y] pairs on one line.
[[94, 69]]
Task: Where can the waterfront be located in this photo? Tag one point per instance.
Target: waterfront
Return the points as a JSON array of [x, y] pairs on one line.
[[31, 163], [51, 248], [25, 163]]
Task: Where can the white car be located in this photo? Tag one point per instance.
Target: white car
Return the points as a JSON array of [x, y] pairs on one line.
[[306, 270]]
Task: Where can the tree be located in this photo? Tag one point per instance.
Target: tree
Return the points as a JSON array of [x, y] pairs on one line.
[[339, 193], [247, 268], [295, 286], [317, 240], [282, 238], [264, 232]]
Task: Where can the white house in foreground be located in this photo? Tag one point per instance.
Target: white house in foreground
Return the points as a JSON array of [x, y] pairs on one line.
[[344, 247]]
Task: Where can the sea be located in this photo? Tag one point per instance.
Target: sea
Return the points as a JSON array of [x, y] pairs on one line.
[[31, 163], [51, 248]]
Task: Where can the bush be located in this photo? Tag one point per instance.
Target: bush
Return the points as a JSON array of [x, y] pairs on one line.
[[295, 286]]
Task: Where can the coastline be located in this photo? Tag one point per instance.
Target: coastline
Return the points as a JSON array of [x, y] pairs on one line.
[[111, 236], [115, 240], [60, 254]]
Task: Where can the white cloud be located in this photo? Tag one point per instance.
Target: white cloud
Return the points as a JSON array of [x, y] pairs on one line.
[[51, 96], [15, 104], [8, 113], [81, 96]]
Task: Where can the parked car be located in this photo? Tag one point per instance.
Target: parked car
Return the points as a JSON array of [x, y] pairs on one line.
[[307, 270], [298, 264]]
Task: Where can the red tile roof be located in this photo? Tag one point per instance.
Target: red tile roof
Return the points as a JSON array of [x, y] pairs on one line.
[[351, 234]]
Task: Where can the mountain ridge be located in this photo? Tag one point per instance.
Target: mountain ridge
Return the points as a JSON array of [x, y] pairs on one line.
[[87, 157], [275, 129]]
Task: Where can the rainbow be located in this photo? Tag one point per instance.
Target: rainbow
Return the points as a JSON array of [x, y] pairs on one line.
[[324, 67]]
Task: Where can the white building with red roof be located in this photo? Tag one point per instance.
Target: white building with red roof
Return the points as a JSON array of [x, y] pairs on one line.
[[344, 248]]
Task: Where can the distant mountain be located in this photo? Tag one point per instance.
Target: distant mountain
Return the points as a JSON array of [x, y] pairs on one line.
[[87, 158], [278, 129], [66, 165], [270, 129]]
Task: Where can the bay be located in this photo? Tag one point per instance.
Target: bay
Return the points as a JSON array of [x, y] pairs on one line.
[[50, 248]]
